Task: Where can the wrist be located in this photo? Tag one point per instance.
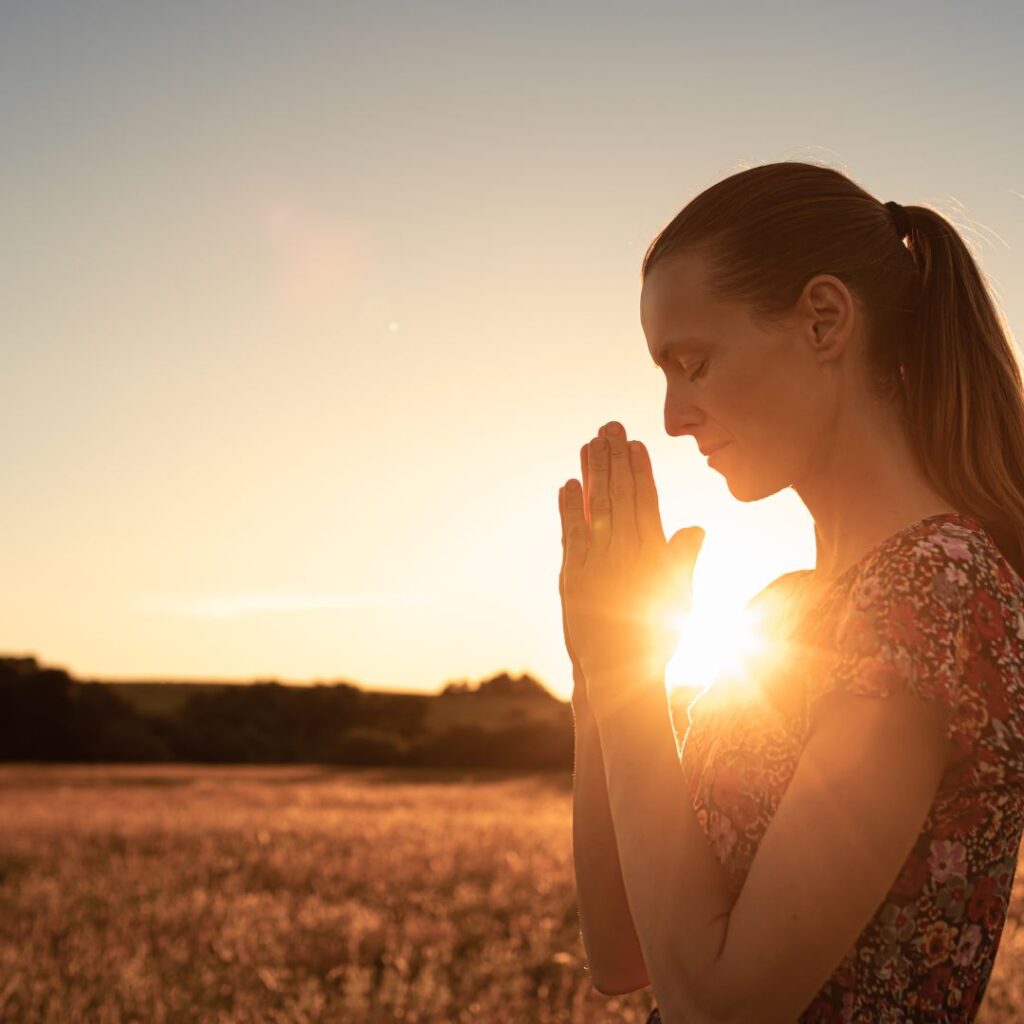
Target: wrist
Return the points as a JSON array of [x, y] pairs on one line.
[[579, 679], [580, 701], [616, 693]]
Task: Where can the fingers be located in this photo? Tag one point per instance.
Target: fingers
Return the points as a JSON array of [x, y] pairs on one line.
[[648, 513], [561, 519], [599, 501], [585, 477], [575, 526], [561, 580], [561, 571], [622, 492]]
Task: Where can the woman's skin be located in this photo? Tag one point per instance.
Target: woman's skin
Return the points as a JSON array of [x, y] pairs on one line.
[[793, 404]]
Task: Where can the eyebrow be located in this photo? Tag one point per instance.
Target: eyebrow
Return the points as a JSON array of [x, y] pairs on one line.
[[678, 345]]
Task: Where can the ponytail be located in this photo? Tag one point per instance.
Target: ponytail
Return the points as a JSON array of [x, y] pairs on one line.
[[964, 411]]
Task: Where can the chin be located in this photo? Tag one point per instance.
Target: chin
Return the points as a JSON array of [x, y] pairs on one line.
[[746, 489], [747, 495]]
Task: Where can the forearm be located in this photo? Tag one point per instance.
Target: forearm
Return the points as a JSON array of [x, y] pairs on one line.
[[609, 935], [678, 891]]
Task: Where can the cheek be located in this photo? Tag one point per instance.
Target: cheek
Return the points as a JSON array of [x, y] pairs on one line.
[[749, 397], [769, 411]]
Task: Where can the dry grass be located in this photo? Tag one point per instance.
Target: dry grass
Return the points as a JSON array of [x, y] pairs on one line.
[[296, 894]]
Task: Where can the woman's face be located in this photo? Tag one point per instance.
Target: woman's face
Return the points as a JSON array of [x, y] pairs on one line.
[[763, 394]]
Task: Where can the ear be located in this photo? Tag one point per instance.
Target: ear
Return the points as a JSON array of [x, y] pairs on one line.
[[830, 313]]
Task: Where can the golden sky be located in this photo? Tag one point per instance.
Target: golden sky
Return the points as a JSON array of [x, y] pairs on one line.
[[306, 317]]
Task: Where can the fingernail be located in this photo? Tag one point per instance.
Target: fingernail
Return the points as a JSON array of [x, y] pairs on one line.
[[613, 428]]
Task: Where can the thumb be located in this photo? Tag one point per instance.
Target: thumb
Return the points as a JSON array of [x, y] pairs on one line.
[[683, 548], [684, 545]]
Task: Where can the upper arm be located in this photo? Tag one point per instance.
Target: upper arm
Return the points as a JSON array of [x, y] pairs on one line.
[[892, 699], [844, 827]]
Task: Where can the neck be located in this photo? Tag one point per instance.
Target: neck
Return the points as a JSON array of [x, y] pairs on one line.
[[866, 486]]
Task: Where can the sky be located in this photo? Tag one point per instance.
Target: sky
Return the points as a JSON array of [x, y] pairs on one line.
[[307, 309]]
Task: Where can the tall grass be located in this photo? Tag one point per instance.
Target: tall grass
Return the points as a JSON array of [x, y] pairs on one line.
[[177, 894]]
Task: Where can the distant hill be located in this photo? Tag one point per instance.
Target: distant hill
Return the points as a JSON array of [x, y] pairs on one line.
[[504, 685], [504, 721], [159, 698], [156, 697]]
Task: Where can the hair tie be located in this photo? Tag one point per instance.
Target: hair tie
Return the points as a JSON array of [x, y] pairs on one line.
[[900, 218]]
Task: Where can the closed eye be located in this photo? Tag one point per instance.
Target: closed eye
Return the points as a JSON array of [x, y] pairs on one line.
[[699, 372]]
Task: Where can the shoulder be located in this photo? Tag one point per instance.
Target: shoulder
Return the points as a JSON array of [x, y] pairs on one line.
[[778, 587], [938, 612], [916, 593], [936, 566], [955, 545]]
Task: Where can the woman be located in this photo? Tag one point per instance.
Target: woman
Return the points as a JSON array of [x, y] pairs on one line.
[[841, 841]]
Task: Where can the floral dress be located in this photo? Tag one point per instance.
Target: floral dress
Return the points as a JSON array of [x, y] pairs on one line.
[[934, 609]]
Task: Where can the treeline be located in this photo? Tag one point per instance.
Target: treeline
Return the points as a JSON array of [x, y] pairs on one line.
[[47, 715]]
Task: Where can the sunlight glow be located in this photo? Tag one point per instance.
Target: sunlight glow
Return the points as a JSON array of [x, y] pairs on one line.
[[715, 642]]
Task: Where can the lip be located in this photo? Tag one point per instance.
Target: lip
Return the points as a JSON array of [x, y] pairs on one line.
[[714, 454], [714, 448]]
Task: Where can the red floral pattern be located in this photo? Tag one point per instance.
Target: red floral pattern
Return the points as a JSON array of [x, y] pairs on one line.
[[934, 609]]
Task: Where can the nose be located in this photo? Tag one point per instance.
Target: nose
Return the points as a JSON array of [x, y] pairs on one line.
[[681, 417]]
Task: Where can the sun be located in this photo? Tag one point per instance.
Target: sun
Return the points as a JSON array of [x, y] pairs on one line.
[[716, 639], [735, 633]]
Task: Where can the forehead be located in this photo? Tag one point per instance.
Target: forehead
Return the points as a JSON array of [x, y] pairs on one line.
[[675, 299]]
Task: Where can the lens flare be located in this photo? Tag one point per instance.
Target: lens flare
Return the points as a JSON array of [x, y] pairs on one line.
[[716, 642]]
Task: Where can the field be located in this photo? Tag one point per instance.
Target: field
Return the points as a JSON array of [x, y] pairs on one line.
[[180, 893]]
